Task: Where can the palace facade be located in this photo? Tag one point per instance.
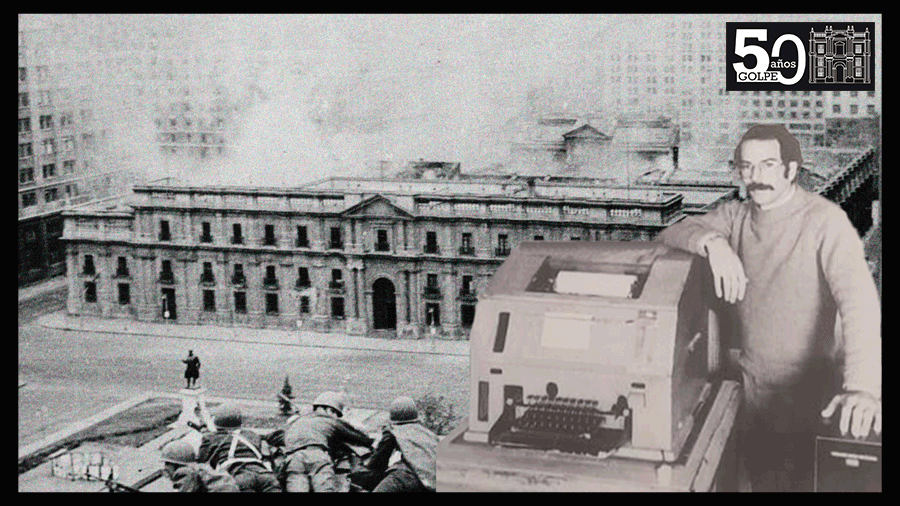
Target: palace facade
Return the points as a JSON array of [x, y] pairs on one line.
[[396, 257]]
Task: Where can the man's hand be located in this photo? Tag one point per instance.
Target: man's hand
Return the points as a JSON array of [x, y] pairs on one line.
[[727, 270], [860, 412]]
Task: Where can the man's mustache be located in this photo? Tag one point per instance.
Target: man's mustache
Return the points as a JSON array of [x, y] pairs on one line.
[[759, 186]]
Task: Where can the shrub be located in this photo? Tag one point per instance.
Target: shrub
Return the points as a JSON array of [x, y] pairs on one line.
[[437, 414]]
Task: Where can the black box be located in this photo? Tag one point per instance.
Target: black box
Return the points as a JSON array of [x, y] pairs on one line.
[[845, 464]]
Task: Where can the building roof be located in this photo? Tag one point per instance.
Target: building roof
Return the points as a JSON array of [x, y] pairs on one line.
[[586, 132]]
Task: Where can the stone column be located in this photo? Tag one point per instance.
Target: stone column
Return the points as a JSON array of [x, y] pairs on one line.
[[255, 296], [403, 235], [416, 297], [365, 297], [323, 239], [104, 285], [188, 309], [73, 299], [407, 315], [355, 292], [220, 271], [483, 241]]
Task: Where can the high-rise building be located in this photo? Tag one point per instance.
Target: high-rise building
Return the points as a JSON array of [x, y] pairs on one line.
[[674, 65], [63, 155]]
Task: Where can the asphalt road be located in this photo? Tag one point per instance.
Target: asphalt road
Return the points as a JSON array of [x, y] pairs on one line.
[[74, 374]]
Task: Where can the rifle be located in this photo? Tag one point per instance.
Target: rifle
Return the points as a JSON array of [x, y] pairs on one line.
[[113, 485]]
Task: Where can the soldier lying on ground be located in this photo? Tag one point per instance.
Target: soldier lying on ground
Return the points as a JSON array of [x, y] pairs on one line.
[[189, 476], [405, 458], [237, 451], [311, 444]]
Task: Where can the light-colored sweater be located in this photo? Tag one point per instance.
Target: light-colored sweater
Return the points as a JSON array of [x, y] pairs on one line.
[[804, 262]]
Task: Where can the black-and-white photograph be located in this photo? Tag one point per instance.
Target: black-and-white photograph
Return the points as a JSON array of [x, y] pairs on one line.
[[449, 252]]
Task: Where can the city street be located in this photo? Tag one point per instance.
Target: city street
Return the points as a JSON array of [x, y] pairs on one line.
[[73, 374]]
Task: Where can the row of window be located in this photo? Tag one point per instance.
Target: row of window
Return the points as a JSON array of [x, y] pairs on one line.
[[270, 280], [336, 240], [49, 170], [26, 149], [46, 122], [432, 309], [237, 235], [30, 199], [854, 110]]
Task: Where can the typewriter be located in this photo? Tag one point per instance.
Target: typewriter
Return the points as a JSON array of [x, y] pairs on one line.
[[591, 348]]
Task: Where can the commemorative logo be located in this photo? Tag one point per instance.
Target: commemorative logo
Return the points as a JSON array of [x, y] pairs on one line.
[[800, 56]]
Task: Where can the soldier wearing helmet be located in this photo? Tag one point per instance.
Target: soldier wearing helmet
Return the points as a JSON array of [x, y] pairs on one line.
[[237, 451], [312, 442], [404, 460], [181, 467]]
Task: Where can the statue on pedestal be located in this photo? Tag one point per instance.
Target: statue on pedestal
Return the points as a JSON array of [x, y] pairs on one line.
[[194, 412], [192, 369]]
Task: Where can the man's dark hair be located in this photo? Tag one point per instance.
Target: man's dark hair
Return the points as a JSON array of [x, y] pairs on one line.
[[788, 144]]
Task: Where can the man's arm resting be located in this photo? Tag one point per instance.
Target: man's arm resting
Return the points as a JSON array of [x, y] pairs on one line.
[[689, 233]]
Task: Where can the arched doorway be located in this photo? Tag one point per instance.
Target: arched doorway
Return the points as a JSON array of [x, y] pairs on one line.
[[384, 305], [838, 72]]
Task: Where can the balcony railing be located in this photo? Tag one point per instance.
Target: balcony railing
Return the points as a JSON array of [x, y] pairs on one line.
[[467, 250], [467, 295], [336, 285], [432, 292], [501, 252], [302, 284], [270, 283], [207, 279], [238, 280]]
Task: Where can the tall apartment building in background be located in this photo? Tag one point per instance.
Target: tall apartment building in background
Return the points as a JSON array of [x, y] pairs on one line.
[[675, 66], [63, 150], [105, 101]]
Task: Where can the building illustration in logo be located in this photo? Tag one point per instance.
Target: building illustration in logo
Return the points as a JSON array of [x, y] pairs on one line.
[[840, 56]]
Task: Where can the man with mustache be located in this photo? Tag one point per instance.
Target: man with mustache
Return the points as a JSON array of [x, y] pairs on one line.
[[790, 261]]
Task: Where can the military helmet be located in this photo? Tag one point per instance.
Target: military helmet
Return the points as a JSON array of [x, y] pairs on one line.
[[403, 410], [333, 400], [178, 451], [227, 416]]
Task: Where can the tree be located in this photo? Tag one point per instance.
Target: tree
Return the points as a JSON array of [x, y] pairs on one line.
[[284, 398]]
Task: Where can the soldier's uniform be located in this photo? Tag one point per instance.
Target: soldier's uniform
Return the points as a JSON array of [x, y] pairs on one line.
[[236, 451], [415, 469], [189, 476], [202, 478], [312, 443]]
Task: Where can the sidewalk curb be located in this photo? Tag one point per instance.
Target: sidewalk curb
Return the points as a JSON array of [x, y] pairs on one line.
[[64, 323]]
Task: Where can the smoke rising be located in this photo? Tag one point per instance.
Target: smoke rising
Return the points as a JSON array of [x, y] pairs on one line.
[[313, 96]]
